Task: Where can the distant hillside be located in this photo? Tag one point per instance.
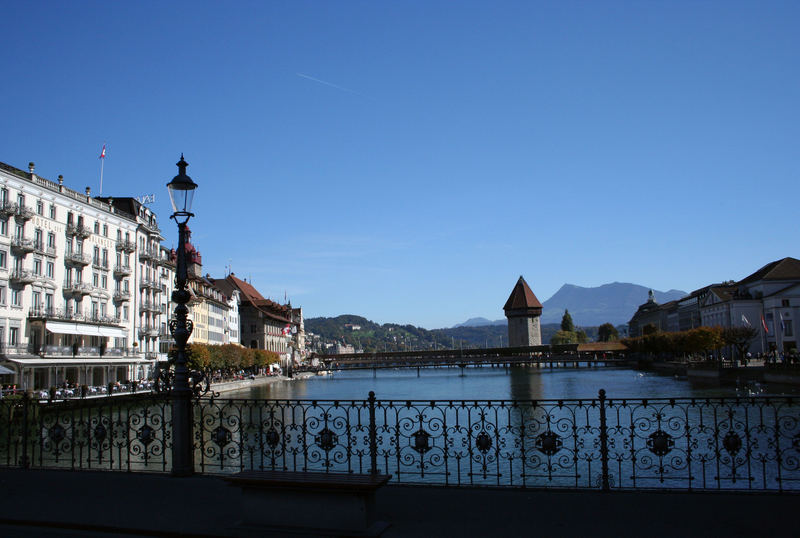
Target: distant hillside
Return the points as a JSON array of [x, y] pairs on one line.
[[394, 337], [481, 322], [613, 303]]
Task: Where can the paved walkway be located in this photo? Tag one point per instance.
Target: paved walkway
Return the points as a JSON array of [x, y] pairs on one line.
[[87, 503]]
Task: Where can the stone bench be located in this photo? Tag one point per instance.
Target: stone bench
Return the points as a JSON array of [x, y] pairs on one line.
[[309, 502]]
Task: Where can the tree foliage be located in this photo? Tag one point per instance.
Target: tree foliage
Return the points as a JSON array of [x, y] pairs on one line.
[[227, 357], [695, 341], [564, 337], [566, 322], [607, 333]]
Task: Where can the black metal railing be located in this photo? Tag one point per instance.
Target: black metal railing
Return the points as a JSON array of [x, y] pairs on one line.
[[726, 444]]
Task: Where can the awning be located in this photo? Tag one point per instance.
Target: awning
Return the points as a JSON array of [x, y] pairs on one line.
[[4, 370], [61, 327], [96, 361]]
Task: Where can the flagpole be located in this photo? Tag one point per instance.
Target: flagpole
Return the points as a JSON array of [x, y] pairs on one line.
[[102, 163]]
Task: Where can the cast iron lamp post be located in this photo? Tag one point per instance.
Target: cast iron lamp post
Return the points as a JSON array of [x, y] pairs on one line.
[[181, 192]]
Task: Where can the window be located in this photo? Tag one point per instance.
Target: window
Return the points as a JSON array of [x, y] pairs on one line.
[[3, 259], [104, 281], [96, 227], [96, 256], [51, 240], [70, 217], [39, 207], [21, 200], [4, 195], [789, 330], [19, 231], [36, 299], [38, 236], [95, 280], [785, 303], [37, 267], [13, 336], [51, 269], [52, 211], [16, 298], [4, 227], [2, 295], [105, 257], [125, 313], [105, 230], [48, 301], [119, 235]]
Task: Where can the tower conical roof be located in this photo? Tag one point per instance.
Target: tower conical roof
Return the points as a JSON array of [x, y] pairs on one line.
[[522, 297]]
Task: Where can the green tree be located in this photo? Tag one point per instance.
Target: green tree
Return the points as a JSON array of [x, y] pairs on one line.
[[566, 322], [564, 337], [580, 336], [607, 333], [739, 338]]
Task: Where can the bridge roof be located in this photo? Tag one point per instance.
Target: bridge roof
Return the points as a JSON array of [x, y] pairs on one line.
[[522, 297]]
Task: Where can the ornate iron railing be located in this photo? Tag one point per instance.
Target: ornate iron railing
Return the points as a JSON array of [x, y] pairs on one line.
[[727, 444]]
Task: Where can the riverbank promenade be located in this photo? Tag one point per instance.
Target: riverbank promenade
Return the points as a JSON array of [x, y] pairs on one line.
[[96, 503]]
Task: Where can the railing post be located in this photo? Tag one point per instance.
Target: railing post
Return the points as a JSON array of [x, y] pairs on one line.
[[373, 436], [25, 461], [604, 441]]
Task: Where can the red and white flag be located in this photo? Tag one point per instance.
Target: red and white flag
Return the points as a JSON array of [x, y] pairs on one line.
[[287, 330], [103, 152], [764, 324]]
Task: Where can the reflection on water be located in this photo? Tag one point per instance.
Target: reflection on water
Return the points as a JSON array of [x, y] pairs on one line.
[[500, 384]]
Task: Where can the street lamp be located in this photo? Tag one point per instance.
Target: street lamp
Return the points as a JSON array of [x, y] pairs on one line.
[[181, 192]]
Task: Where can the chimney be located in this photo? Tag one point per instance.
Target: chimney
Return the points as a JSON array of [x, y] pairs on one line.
[[31, 168], [60, 183], [88, 195], [111, 204]]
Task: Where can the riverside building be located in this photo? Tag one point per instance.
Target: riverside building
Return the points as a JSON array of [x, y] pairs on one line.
[[81, 284]]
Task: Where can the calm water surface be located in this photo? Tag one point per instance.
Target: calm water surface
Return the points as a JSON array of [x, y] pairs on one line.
[[499, 384]]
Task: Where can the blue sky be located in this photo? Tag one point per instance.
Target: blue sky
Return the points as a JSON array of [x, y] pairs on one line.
[[407, 161]]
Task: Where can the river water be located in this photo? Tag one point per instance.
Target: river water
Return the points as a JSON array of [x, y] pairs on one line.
[[501, 384]]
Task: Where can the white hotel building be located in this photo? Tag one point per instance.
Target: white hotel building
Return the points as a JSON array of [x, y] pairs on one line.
[[82, 284]]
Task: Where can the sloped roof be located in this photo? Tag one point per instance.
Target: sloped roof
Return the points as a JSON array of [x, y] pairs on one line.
[[522, 297], [785, 269], [250, 295]]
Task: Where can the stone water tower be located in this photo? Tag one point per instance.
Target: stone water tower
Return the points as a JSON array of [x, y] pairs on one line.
[[523, 311]]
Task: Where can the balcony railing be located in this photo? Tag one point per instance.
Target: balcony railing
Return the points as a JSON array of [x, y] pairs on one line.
[[79, 230], [100, 264], [78, 287], [148, 283], [164, 261], [122, 295], [59, 314], [126, 246], [148, 330], [147, 254], [149, 306], [22, 276], [122, 271], [76, 351], [40, 248], [22, 212], [7, 208], [77, 258], [22, 244]]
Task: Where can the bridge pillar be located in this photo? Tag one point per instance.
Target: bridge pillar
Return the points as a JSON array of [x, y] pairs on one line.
[[417, 371], [374, 373]]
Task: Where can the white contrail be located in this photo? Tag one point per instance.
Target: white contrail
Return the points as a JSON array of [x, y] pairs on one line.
[[332, 85]]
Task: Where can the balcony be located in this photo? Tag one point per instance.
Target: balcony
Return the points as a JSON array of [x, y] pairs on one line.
[[58, 314], [148, 283], [78, 230], [122, 296], [148, 330], [22, 244], [122, 271], [39, 248], [149, 306], [77, 258], [22, 277], [126, 246], [146, 254], [6, 209], [101, 265], [165, 261], [77, 288], [22, 212], [151, 227]]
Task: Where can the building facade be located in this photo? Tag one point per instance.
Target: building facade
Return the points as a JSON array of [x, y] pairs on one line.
[[77, 287]]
